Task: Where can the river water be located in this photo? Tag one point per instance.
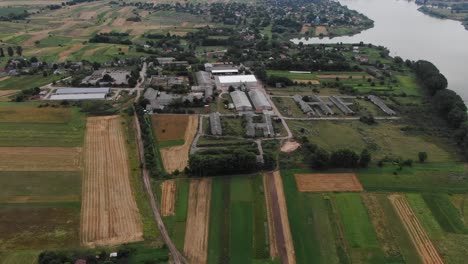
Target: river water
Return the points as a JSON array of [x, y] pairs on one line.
[[412, 35]]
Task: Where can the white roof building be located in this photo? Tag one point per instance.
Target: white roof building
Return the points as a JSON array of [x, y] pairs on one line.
[[223, 82], [259, 100], [81, 90], [79, 94], [240, 100]]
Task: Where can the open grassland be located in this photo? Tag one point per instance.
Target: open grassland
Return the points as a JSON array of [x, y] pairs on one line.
[[24, 186], [198, 221], [40, 159], [385, 139], [448, 217], [429, 177], [18, 127], [330, 182], [28, 81], [20, 257], [109, 211], [176, 158], [238, 229], [39, 225], [421, 240]]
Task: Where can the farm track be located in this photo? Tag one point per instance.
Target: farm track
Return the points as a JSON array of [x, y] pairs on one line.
[[176, 158], [40, 159], [168, 198], [271, 223], [109, 211], [279, 218], [419, 237], [198, 218]]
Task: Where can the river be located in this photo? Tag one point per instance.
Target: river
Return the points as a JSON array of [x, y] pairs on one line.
[[412, 35]]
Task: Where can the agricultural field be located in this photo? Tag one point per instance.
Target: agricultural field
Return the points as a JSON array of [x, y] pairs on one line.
[[175, 154], [109, 212]]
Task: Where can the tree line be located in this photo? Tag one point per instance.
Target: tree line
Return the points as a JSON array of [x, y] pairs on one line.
[[11, 51]]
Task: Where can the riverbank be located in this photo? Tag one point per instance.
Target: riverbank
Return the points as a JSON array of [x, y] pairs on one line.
[[446, 10]]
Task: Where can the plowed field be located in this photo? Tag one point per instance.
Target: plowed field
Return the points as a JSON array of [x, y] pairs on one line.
[[418, 235], [109, 214], [198, 218], [336, 182]]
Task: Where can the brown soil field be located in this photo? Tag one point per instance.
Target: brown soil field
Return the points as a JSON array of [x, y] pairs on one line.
[[321, 30], [290, 146], [198, 221], [170, 127], [90, 52], [88, 15], [4, 78], [332, 182], [313, 82], [305, 29], [38, 35], [176, 158], [281, 243], [168, 197], [8, 92], [41, 115], [342, 76], [40, 159], [418, 235], [29, 2], [380, 222], [109, 213], [63, 56]]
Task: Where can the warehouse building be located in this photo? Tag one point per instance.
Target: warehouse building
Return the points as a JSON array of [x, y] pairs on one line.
[[259, 100], [80, 94], [223, 82], [240, 100]]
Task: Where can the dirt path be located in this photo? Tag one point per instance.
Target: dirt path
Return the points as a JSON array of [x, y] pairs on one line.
[[168, 198], [279, 218], [175, 254], [198, 221], [109, 213], [419, 237], [271, 223], [176, 158]]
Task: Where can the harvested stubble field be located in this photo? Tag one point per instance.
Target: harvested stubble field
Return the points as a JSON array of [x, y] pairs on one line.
[[40, 159], [24, 114], [109, 212], [169, 127], [168, 198], [281, 242], [198, 218], [419, 237], [336, 182], [176, 158]]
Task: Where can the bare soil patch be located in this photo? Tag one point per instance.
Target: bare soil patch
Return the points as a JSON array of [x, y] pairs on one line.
[[168, 197], [176, 158], [63, 56], [290, 146], [198, 221], [40, 159], [109, 213], [305, 29], [281, 243], [170, 127], [418, 235], [321, 30], [88, 14], [330, 182], [313, 82], [8, 92]]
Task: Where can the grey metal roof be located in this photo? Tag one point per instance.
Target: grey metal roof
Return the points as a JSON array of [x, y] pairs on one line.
[[259, 99], [215, 124], [377, 101], [240, 99], [94, 96], [81, 90]]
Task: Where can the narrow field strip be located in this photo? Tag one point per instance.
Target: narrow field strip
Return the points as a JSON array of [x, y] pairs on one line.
[[198, 218], [40, 159], [109, 211], [418, 235], [333, 182], [168, 198]]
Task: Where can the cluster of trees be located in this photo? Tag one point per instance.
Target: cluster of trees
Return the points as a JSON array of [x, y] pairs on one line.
[[447, 103], [11, 51], [222, 162], [112, 37], [319, 158], [24, 94], [272, 80], [68, 3], [14, 16]]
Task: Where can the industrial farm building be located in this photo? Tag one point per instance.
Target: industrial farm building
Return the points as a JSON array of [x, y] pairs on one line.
[[259, 100], [240, 100], [223, 82], [79, 94], [120, 77]]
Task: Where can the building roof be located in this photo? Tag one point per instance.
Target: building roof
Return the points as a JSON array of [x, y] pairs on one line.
[[240, 99], [93, 96], [237, 79], [203, 78], [225, 71], [81, 90], [259, 99]]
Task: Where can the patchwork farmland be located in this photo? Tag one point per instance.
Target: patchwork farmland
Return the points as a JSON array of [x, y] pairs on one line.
[[109, 212]]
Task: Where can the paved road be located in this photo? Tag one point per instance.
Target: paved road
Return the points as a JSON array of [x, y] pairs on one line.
[[176, 255]]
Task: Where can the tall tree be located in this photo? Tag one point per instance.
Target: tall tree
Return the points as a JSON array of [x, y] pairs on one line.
[[1, 52], [10, 51], [19, 50]]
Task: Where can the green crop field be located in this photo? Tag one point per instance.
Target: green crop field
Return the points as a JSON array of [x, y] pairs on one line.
[[20, 257], [425, 216], [448, 217], [28, 81]]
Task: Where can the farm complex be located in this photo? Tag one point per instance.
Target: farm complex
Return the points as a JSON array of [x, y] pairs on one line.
[[202, 132]]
